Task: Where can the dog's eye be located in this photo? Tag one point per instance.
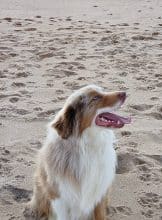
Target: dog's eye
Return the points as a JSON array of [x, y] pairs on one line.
[[95, 98]]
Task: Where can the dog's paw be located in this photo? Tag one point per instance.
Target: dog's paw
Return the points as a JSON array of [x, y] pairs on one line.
[[30, 213]]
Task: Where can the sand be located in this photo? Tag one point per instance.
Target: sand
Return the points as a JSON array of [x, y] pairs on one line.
[[48, 49]]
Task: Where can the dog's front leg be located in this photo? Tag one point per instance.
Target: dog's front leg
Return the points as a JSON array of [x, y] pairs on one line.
[[61, 209], [100, 209]]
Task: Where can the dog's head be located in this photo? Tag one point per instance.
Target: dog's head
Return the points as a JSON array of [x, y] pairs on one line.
[[90, 106]]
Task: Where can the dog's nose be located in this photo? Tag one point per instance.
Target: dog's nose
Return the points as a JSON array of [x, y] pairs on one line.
[[122, 96]]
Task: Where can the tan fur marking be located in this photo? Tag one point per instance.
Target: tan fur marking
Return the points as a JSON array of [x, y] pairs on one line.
[[43, 193], [65, 123], [86, 121], [109, 100], [100, 209]]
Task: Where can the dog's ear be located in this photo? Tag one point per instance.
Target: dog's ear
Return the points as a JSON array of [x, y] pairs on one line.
[[65, 124]]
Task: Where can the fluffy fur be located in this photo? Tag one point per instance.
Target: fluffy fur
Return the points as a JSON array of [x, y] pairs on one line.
[[76, 165]]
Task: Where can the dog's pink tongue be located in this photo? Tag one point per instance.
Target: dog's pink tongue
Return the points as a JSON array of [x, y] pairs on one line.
[[112, 120], [125, 120]]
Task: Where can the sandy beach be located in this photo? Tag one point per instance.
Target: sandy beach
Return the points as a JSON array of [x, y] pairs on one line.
[[50, 48]]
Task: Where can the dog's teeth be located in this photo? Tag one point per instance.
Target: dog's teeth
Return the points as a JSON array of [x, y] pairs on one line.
[[103, 119]]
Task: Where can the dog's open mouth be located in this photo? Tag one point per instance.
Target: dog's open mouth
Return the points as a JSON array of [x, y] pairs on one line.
[[107, 119]]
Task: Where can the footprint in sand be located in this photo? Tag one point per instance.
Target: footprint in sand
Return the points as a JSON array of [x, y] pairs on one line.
[[18, 84], [69, 73], [128, 162], [141, 107], [4, 160], [71, 65], [113, 39], [37, 109], [123, 74], [81, 78], [126, 133], [149, 176], [59, 91], [22, 74], [148, 201], [71, 85], [141, 37], [123, 24], [44, 55], [132, 147], [47, 113], [21, 111], [13, 54], [30, 29], [20, 177], [17, 24], [121, 210], [36, 144], [14, 99], [17, 30], [17, 194], [38, 16], [132, 144], [50, 84], [158, 158], [28, 19], [7, 19], [3, 56], [158, 75], [53, 73], [159, 85], [61, 98], [154, 98], [155, 115], [147, 173]]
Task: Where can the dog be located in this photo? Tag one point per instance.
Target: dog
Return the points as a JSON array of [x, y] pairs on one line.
[[76, 166]]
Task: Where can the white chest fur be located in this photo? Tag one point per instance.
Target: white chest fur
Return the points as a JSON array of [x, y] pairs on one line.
[[97, 170]]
